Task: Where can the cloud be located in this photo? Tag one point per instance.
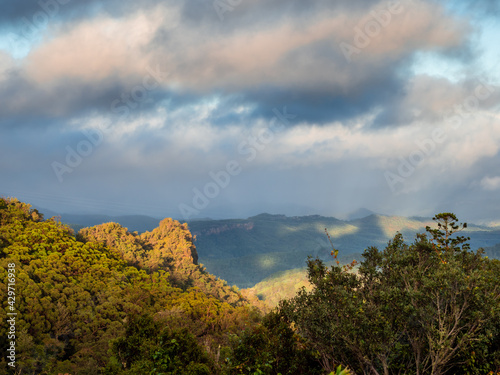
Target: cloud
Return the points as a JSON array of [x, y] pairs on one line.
[[435, 99], [304, 66], [289, 61], [24, 101], [6, 64], [22, 13], [490, 183], [221, 82], [94, 50], [479, 7]]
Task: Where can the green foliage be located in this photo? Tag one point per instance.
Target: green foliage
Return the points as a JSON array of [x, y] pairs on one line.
[[169, 248], [424, 308], [116, 237], [149, 347], [282, 285], [273, 348], [340, 371], [75, 296], [114, 302], [245, 252], [447, 226]]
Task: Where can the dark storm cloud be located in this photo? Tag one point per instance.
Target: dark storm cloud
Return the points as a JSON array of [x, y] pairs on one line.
[[23, 100], [320, 107], [261, 13], [16, 13], [310, 74], [315, 77], [25, 103]]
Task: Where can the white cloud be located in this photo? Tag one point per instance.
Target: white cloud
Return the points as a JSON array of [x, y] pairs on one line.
[[201, 59], [6, 63], [490, 183], [98, 48]]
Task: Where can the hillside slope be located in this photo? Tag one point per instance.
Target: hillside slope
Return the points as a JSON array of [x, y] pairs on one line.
[[77, 298], [247, 251]]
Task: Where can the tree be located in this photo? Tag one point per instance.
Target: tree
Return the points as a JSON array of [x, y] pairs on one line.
[[413, 309], [74, 296], [148, 347], [447, 226], [273, 348]]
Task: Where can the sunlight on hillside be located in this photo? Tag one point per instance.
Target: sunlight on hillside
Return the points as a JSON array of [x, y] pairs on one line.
[[267, 261], [390, 225], [281, 285], [292, 229], [340, 231]]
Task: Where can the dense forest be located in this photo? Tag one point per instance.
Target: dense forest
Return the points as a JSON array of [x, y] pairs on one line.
[[107, 301]]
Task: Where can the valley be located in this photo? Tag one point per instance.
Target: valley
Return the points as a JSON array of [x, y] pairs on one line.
[[245, 252]]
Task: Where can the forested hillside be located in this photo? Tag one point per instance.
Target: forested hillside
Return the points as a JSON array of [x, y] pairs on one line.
[[114, 302], [107, 301], [493, 251], [247, 251]]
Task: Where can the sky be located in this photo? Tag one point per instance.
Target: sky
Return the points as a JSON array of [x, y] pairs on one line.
[[231, 108]]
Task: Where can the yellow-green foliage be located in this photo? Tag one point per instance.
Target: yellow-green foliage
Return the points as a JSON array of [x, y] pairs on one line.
[[74, 296], [170, 248], [282, 285]]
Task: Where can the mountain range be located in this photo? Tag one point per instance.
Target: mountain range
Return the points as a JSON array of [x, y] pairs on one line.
[[245, 252]]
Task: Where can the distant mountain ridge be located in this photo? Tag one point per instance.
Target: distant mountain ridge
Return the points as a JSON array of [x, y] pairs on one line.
[[139, 223], [246, 251], [143, 223], [359, 214]]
